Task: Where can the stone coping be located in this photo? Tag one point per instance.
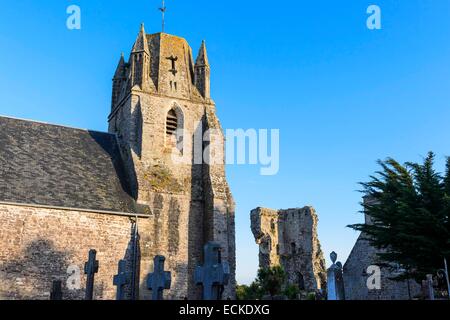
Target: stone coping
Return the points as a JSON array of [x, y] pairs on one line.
[[115, 213]]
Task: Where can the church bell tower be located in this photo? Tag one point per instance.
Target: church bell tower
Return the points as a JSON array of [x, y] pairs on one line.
[[161, 107]]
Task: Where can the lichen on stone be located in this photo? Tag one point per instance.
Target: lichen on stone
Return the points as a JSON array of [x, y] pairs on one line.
[[161, 179]]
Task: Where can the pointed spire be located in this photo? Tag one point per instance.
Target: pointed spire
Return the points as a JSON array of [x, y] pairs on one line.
[[202, 58], [141, 41], [202, 72], [120, 66]]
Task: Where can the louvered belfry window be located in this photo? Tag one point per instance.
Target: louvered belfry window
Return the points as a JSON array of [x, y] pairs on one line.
[[171, 123]]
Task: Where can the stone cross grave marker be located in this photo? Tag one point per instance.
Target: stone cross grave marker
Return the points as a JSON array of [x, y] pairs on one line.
[[159, 280], [121, 279], [214, 274], [56, 293], [429, 290], [90, 269], [335, 280]]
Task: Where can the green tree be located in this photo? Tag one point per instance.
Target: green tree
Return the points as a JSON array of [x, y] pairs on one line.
[[292, 291], [242, 292], [271, 280], [252, 292], [409, 211]]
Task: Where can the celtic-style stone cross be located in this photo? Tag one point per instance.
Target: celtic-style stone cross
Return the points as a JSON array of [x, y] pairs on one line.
[[90, 269], [121, 279], [56, 293], [335, 280], [159, 280], [214, 274]]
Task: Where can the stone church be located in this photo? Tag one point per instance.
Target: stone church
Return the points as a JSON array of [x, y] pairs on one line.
[[356, 277], [64, 191]]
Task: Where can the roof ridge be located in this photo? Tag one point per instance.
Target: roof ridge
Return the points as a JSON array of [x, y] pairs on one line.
[[149, 35], [54, 124]]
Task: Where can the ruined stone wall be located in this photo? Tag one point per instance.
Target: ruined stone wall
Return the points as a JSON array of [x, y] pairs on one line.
[[289, 238]]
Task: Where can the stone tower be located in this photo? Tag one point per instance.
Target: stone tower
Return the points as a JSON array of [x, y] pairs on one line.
[[288, 238], [161, 107]]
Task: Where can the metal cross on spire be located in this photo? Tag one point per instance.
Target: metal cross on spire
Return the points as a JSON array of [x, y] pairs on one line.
[[163, 11]]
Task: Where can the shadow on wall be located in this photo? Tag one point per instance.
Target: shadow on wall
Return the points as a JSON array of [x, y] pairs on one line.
[[198, 224], [30, 277], [133, 266]]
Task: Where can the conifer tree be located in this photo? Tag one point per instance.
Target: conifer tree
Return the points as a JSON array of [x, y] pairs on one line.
[[408, 209]]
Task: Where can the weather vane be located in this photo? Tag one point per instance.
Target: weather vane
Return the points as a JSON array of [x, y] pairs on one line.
[[163, 10]]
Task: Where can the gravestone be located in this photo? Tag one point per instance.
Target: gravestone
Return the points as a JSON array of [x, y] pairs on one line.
[[121, 279], [428, 287], [159, 280], [90, 269], [335, 281], [214, 274], [56, 293]]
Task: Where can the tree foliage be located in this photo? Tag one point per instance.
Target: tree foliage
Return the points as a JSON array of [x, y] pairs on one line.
[[269, 281], [408, 207], [292, 291], [272, 280], [252, 292]]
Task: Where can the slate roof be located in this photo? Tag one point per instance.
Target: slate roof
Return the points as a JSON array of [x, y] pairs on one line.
[[53, 165]]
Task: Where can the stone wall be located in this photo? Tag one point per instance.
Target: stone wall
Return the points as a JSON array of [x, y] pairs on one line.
[[289, 238], [39, 244], [361, 257]]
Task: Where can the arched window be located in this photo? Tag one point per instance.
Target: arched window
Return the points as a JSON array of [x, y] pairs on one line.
[[174, 128], [171, 122]]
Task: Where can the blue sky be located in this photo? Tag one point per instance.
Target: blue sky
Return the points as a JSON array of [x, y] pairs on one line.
[[342, 95]]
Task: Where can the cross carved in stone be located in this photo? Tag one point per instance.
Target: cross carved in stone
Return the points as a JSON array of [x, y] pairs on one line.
[[159, 280], [214, 274], [121, 279], [174, 67], [90, 269]]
